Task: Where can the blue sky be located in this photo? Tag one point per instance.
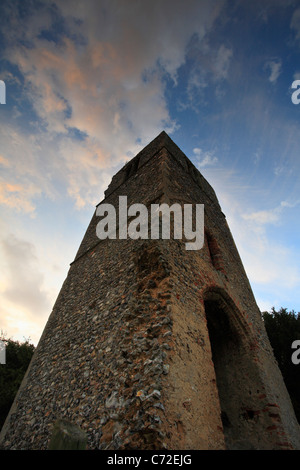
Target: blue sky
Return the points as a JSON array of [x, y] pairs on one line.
[[88, 84]]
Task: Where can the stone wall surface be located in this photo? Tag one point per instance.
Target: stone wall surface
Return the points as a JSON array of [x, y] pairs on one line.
[[152, 346]]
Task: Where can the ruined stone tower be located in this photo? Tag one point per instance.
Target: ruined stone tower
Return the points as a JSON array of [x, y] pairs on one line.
[[152, 346]]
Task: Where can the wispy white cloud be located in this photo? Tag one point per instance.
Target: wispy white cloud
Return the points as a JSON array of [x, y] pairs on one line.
[[204, 159], [24, 282], [222, 62], [295, 23], [210, 67], [271, 216], [274, 68], [25, 300]]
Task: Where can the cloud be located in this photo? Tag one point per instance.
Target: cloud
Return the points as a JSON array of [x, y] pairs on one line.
[[12, 196], [23, 284], [96, 87], [3, 161], [209, 67], [222, 62], [263, 217], [27, 168], [274, 68], [271, 216], [144, 32], [295, 23], [204, 159], [264, 258]]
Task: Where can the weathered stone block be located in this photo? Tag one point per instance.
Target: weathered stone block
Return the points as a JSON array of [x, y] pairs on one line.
[[67, 436]]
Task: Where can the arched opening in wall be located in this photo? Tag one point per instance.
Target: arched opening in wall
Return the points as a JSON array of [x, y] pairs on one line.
[[237, 376]]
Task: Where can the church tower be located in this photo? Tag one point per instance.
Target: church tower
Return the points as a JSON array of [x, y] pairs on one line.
[[153, 346]]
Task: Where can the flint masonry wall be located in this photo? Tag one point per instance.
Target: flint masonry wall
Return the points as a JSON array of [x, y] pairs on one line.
[[151, 346]]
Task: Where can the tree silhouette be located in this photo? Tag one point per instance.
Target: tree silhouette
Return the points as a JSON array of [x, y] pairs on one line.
[[18, 356], [283, 328]]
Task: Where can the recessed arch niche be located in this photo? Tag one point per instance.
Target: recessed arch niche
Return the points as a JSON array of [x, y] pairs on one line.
[[237, 375]]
